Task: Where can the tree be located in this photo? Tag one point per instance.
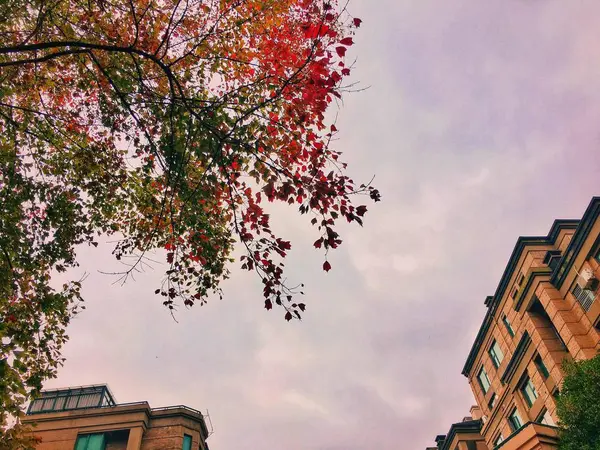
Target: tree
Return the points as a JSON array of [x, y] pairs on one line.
[[165, 124], [578, 407]]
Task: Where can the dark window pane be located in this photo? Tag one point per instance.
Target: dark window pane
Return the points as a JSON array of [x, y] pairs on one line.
[[541, 366], [187, 442]]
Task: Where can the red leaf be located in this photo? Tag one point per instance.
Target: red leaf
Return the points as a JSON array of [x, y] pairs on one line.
[[302, 306], [357, 22], [288, 316], [318, 243], [347, 41], [333, 128], [361, 210], [268, 304], [323, 30], [326, 266], [345, 71], [341, 51]]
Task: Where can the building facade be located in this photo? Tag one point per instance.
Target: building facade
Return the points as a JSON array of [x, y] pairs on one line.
[[89, 418], [545, 309]]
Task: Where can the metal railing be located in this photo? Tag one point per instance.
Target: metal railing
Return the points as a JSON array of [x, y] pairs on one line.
[[584, 297], [68, 399]]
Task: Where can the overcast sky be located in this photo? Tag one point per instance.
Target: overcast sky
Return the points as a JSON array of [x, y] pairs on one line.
[[482, 123]]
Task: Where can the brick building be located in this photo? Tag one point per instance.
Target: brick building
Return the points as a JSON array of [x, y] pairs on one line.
[[545, 309], [88, 418]]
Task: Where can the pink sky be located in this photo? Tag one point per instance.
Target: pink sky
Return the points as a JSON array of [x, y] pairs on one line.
[[481, 124]]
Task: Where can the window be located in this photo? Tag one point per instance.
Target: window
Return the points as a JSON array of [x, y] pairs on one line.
[[597, 255], [187, 442], [521, 279], [514, 420], [555, 393], [539, 363], [528, 391], [484, 381], [492, 401], [90, 442], [514, 293], [499, 440], [508, 326], [496, 354], [545, 418]]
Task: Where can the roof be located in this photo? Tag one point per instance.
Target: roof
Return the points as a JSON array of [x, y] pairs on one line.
[[468, 426]]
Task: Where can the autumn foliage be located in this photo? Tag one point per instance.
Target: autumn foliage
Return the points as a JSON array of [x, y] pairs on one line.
[[168, 125]]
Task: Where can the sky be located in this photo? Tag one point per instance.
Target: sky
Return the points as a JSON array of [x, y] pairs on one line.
[[481, 123]]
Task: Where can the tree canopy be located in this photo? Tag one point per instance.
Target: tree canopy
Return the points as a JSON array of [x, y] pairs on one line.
[[166, 124], [578, 406]]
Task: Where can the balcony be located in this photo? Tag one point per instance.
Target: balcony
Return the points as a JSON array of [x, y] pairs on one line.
[[531, 436]]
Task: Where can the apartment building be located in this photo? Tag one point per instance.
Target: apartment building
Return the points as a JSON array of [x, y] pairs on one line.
[[89, 418], [545, 309]]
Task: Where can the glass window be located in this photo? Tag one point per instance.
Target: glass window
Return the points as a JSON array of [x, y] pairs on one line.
[[48, 404], [90, 442], [597, 255], [529, 392], [521, 279], [508, 326], [499, 439], [496, 354], [492, 401], [484, 381], [539, 362], [515, 420], [187, 442], [545, 418], [514, 292]]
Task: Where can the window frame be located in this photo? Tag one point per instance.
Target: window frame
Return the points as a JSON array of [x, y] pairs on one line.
[[508, 325], [79, 445], [511, 420], [526, 388], [542, 416], [492, 401], [489, 383], [493, 354], [541, 367], [190, 441], [499, 440]]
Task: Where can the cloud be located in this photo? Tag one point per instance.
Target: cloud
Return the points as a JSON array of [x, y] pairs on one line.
[[481, 124]]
